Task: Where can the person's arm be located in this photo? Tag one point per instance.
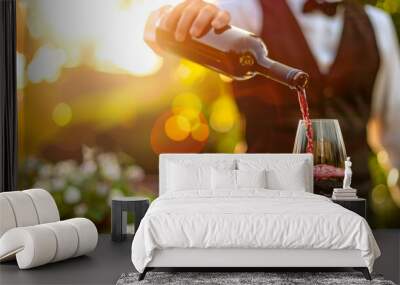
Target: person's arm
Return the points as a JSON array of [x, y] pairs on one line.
[[192, 17], [188, 18], [245, 14], [385, 120]]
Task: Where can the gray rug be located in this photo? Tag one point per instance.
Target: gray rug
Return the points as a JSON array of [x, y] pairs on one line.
[[243, 278]]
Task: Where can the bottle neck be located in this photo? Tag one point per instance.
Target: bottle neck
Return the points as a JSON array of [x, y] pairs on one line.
[[263, 65], [289, 76]]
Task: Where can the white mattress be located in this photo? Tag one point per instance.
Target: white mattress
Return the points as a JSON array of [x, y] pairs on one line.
[[252, 219]]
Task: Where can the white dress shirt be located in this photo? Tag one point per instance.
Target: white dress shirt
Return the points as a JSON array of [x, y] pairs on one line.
[[323, 34]]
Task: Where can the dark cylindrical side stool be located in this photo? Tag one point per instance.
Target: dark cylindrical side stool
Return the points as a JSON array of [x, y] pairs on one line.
[[136, 205]]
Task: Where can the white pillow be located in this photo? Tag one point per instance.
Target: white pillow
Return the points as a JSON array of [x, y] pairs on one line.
[[188, 174], [223, 179], [203, 162], [281, 174], [181, 178], [251, 178], [293, 180], [236, 179]]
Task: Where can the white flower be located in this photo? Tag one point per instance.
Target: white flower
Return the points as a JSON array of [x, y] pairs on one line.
[[135, 173], [101, 189], [81, 209], [88, 167], [77, 178], [109, 166], [115, 193], [72, 195], [65, 168], [46, 171], [58, 184]]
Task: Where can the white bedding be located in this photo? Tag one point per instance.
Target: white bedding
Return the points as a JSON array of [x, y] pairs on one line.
[[251, 218]]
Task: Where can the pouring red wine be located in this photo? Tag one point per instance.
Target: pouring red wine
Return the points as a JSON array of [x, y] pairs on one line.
[[302, 97], [322, 138], [242, 55]]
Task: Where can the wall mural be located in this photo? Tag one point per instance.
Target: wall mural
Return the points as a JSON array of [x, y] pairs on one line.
[[97, 106]]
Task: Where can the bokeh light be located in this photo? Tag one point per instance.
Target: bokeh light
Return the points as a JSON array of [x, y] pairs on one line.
[[46, 64], [383, 158], [224, 114], [393, 177], [188, 105], [177, 128], [240, 147], [62, 114], [114, 32], [392, 6], [186, 101], [226, 145], [189, 73], [379, 195], [173, 134], [200, 132]]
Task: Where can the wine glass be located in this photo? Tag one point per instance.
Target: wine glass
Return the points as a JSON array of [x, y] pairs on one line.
[[329, 153]]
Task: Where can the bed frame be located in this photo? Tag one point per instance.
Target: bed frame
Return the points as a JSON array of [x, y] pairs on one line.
[[245, 259], [242, 259]]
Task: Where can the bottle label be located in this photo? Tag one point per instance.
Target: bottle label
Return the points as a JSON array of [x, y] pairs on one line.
[[246, 60]]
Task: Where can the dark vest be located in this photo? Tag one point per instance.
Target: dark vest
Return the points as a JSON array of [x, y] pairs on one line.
[[271, 110]]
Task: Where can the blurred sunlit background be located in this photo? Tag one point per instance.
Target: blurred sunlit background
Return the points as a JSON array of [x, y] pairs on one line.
[[97, 106]]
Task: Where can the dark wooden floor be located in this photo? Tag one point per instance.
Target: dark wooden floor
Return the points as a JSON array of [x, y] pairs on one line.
[[102, 266], [110, 260], [389, 262]]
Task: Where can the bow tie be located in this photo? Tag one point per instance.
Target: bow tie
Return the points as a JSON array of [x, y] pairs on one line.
[[328, 8]]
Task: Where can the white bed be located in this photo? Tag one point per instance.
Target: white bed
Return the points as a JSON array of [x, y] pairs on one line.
[[249, 227]]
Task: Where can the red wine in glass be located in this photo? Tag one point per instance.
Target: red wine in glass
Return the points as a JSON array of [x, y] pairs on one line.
[[328, 151]]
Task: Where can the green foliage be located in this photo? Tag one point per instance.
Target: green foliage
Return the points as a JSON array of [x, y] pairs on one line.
[[390, 6], [385, 210], [85, 188]]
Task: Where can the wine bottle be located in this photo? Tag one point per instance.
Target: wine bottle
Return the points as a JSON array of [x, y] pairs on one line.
[[234, 52]]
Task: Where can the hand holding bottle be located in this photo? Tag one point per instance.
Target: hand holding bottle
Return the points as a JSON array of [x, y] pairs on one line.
[[200, 32], [189, 18]]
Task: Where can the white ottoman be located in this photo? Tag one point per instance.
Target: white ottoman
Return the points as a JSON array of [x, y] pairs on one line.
[[31, 232]]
